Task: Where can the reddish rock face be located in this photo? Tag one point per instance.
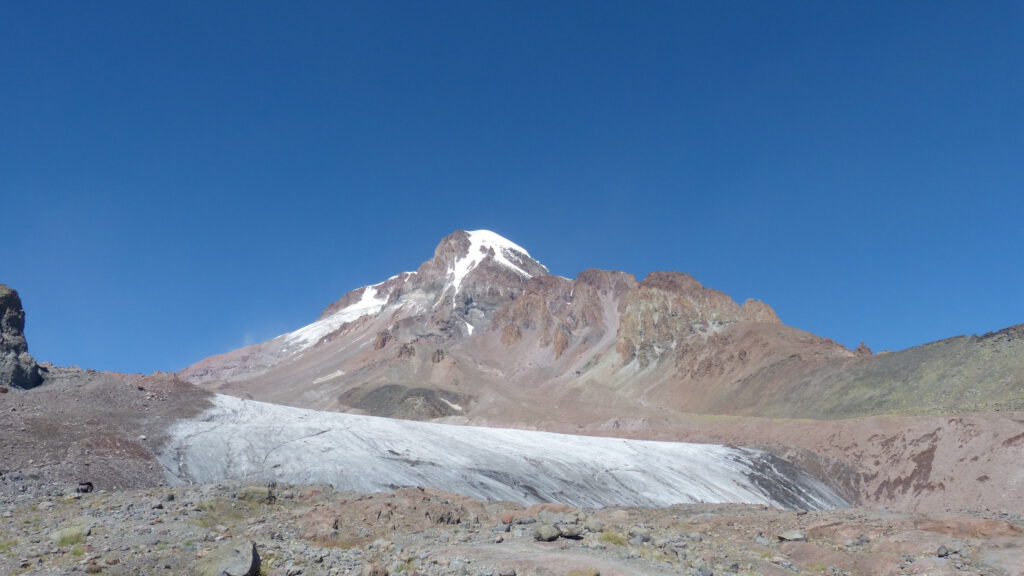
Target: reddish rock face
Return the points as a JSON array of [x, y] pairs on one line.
[[17, 367]]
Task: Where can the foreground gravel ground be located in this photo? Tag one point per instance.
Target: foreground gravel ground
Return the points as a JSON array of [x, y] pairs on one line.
[[208, 529], [107, 428]]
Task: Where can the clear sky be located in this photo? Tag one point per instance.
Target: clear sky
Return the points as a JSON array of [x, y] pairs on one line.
[[178, 179]]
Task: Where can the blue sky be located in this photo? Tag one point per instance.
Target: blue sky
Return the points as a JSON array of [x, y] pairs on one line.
[[178, 179]]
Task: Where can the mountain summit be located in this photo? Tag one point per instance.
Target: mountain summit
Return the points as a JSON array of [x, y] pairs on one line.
[[470, 273], [481, 251]]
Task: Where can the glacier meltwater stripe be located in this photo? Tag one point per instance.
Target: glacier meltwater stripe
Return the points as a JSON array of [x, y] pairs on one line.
[[255, 441]]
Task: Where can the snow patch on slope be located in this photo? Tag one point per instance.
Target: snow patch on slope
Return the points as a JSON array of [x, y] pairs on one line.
[[331, 376], [369, 303], [480, 243], [255, 441]]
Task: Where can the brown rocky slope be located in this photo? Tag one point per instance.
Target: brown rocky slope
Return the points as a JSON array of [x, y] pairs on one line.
[[482, 334], [956, 478]]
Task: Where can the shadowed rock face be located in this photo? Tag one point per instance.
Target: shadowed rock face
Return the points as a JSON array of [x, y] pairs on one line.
[[17, 367]]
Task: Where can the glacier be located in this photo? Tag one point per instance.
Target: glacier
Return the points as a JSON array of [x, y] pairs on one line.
[[239, 439]]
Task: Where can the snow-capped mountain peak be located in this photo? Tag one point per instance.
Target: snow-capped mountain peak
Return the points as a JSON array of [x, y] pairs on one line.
[[484, 243], [456, 257]]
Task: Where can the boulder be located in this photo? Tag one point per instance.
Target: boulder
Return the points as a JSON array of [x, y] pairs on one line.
[[570, 531], [546, 533], [792, 536], [233, 558]]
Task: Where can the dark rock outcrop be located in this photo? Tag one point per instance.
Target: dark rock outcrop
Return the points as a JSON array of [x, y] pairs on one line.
[[17, 367]]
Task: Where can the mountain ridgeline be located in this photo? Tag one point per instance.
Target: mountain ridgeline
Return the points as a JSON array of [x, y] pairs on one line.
[[482, 333]]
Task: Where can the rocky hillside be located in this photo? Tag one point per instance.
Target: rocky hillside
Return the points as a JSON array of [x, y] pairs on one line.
[[83, 425], [482, 331], [17, 367], [87, 455], [482, 327], [481, 334]]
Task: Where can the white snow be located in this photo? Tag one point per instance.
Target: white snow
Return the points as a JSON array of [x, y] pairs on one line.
[[485, 240], [452, 405], [469, 327], [244, 439], [330, 376], [369, 303]]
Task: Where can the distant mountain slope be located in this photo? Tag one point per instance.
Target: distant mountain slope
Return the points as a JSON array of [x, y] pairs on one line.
[[482, 332], [961, 374]]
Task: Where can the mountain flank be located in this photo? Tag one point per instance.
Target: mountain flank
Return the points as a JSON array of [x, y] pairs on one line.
[[482, 334], [482, 330]]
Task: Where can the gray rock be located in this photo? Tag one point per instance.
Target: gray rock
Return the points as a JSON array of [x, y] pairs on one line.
[[942, 552], [641, 533], [570, 531], [546, 533], [792, 536], [236, 558], [17, 367], [677, 549], [373, 569]]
